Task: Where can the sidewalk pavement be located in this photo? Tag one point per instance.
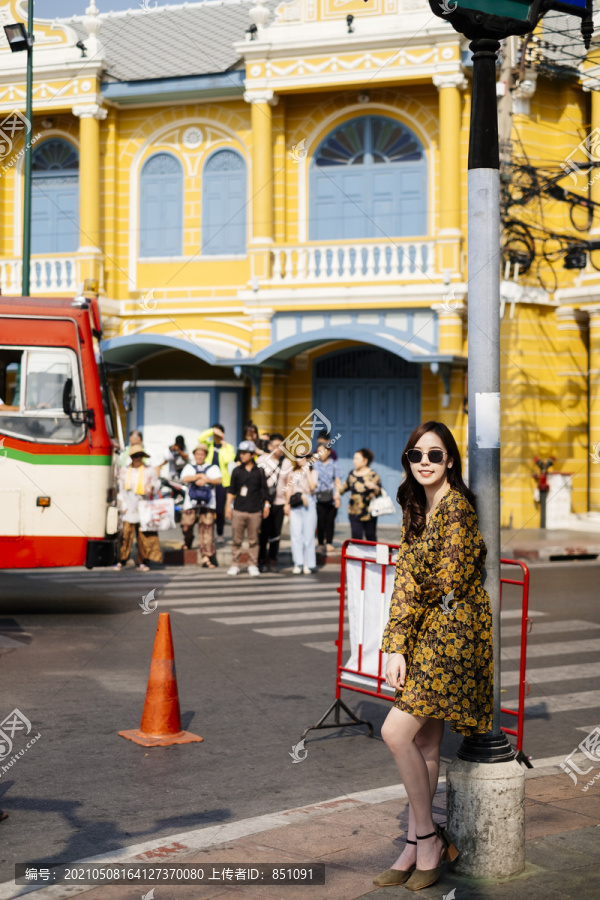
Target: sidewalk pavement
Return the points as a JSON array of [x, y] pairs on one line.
[[526, 544], [359, 835]]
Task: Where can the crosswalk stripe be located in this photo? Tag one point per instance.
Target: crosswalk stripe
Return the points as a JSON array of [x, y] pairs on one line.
[[328, 646], [550, 627], [218, 603], [257, 590], [211, 610], [292, 631], [278, 617], [558, 702], [553, 673], [555, 648], [516, 614]]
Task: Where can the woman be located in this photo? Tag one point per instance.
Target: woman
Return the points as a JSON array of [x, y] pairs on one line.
[[137, 481], [200, 504], [364, 484], [328, 497], [439, 640], [301, 507]]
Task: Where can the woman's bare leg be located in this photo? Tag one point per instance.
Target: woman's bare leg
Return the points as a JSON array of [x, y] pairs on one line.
[[414, 742]]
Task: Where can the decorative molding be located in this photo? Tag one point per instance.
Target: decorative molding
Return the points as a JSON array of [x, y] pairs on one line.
[[261, 96], [450, 80], [89, 111], [523, 93]]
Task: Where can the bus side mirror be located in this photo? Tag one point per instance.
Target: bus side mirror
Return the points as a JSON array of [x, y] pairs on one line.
[[67, 398], [85, 417]]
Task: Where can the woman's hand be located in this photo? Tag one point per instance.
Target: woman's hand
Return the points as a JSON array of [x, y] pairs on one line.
[[286, 509], [337, 500], [370, 485], [395, 670]]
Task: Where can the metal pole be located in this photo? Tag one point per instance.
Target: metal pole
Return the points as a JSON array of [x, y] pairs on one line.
[[28, 152], [484, 356]]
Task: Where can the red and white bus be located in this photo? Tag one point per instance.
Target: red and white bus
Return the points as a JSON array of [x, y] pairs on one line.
[[58, 452]]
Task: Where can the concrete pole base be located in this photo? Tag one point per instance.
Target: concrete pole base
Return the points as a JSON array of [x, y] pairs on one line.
[[486, 817]]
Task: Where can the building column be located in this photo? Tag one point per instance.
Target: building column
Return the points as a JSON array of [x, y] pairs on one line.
[[449, 236], [572, 397], [594, 406], [263, 413], [261, 103], [90, 253], [595, 172]]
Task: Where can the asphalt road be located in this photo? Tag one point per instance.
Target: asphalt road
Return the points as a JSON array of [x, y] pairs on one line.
[[75, 651]]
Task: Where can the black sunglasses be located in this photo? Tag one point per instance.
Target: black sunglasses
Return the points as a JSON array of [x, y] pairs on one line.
[[434, 456]]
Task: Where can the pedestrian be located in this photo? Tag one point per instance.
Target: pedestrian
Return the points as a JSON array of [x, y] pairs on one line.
[[247, 505], [137, 481], [251, 434], [301, 507], [176, 456], [221, 454], [324, 437], [277, 469], [364, 484], [439, 640], [201, 479], [135, 437], [328, 474]]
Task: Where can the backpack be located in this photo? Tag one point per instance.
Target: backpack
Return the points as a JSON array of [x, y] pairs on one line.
[[201, 494]]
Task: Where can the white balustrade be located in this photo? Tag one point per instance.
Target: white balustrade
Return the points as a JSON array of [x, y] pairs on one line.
[[48, 275], [409, 260]]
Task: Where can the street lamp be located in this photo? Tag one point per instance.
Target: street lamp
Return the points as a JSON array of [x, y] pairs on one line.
[[501, 18], [473, 781], [21, 39]]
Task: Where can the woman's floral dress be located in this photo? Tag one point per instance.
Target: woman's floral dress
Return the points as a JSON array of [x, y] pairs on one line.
[[360, 495], [440, 620]]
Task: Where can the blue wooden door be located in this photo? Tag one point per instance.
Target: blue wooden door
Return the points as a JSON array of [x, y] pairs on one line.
[[373, 400], [224, 205], [161, 207]]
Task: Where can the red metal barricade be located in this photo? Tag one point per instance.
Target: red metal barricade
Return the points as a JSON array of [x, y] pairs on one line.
[[379, 688]]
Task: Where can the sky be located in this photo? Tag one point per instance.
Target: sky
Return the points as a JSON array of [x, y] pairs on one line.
[[51, 9]]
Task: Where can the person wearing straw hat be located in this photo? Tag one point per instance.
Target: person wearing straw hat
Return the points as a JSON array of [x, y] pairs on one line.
[[137, 481]]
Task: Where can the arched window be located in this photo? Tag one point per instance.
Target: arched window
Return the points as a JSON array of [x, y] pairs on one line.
[[55, 197], [161, 206], [368, 179], [224, 204]]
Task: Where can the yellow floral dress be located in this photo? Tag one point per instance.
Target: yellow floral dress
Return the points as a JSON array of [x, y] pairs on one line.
[[440, 620]]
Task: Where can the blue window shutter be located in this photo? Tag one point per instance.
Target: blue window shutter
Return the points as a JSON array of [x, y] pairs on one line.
[[161, 206], [368, 179], [55, 198], [224, 204]]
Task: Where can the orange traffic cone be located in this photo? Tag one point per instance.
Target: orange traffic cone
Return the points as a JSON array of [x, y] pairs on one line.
[[161, 718]]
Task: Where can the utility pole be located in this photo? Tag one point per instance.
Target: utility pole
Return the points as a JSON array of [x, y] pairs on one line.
[[19, 39], [485, 784], [28, 156]]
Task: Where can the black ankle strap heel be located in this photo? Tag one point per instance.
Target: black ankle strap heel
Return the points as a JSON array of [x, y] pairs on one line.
[[410, 842], [423, 837]]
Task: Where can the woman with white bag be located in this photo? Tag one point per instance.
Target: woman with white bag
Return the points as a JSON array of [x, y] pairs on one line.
[[137, 482]]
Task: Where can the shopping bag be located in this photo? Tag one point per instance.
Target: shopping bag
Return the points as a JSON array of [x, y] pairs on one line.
[[382, 505], [157, 515]]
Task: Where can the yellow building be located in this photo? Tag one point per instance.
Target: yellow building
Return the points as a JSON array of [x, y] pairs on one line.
[[273, 199]]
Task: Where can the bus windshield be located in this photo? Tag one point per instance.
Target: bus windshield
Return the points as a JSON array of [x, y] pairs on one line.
[[32, 381]]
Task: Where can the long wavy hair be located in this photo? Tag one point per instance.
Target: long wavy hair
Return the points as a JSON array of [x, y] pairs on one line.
[[411, 494]]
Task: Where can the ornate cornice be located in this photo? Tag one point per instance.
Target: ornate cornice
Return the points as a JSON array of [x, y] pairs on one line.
[[89, 111]]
